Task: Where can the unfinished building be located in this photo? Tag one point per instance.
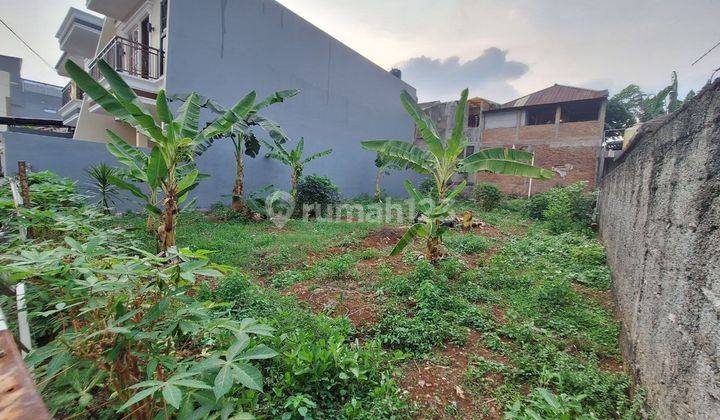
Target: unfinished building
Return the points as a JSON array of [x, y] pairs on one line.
[[562, 126]]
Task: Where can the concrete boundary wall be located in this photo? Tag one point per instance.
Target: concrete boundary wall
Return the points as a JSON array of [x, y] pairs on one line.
[[70, 158], [659, 214]]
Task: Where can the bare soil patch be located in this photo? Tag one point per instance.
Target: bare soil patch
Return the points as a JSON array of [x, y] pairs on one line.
[[360, 306], [436, 386]]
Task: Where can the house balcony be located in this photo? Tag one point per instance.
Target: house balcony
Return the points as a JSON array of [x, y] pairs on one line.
[[142, 67], [72, 97], [116, 9], [79, 33]]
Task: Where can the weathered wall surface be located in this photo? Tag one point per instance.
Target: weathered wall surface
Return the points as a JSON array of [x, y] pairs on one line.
[[659, 218]]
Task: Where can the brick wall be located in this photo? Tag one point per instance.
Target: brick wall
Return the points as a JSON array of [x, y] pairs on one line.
[[568, 149]]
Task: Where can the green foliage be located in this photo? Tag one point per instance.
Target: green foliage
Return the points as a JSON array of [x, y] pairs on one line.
[[488, 196], [292, 158], [169, 167], [100, 176], [467, 243], [442, 161], [318, 367], [315, 190], [121, 330], [564, 209], [286, 278], [340, 267], [428, 187], [542, 403], [225, 213]]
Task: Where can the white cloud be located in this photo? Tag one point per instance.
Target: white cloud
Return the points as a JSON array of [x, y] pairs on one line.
[[486, 75]]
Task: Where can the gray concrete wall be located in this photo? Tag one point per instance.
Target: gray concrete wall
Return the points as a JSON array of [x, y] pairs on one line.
[[224, 49], [659, 217], [65, 157]]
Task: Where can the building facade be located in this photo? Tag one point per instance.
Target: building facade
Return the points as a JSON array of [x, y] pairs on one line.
[[25, 98], [562, 126], [223, 50]]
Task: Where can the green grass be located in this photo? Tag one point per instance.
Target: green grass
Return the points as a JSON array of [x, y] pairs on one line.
[[552, 333]]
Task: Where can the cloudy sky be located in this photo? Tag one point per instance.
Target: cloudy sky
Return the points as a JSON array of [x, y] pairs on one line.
[[499, 49]]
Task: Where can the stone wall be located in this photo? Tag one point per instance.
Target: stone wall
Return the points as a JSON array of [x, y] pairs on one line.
[[659, 213]]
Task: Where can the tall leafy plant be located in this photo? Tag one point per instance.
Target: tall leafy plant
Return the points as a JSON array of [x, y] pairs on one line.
[[293, 158], [443, 160], [170, 167], [244, 141]]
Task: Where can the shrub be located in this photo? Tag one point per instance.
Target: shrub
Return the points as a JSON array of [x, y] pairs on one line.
[[536, 205], [315, 190], [488, 196], [226, 213], [563, 208]]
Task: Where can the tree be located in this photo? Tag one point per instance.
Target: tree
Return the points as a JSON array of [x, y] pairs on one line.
[[384, 165], [644, 106], [617, 116], [443, 160], [243, 138], [170, 167], [292, 158]]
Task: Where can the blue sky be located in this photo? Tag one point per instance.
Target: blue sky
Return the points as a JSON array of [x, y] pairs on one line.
[[499, 49]]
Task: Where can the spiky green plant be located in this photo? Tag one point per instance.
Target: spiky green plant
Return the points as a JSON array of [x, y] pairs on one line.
[[292, 158], [100, 176]]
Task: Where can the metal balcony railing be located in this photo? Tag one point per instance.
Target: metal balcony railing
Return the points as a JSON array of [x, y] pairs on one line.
[[130, 57], [71, 91]]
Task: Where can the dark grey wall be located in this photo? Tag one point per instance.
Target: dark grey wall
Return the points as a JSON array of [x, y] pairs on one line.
[[224, 49], [659, 218]]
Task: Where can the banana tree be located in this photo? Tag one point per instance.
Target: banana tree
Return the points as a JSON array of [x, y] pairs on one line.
[[170, 167], [443, 160], [292, 158], [242, 136]]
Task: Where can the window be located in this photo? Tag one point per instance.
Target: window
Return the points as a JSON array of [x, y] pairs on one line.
[[469, 150], [474, 119], [580, 111], [540, 115], [163, 15], [163, 34]]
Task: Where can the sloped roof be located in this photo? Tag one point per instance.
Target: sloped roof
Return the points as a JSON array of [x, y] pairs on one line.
[[556, 94]]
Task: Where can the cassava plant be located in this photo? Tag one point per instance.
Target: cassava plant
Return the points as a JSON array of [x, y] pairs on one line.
[[170, 166], [244, 141], [443, 160], [292, 158]]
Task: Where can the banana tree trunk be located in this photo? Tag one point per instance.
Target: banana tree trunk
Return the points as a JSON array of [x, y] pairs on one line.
[[167, 236], [432, 252], [378, 177], [238, 192], [294, 178]]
